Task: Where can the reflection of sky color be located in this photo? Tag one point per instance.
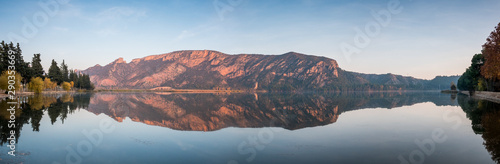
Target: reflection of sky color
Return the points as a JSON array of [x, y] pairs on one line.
[[428, 38], [358, 136]]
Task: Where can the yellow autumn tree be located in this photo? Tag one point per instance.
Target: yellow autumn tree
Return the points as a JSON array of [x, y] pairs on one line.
[[10, 77], [49, 84], [66, 86], [36, 85]]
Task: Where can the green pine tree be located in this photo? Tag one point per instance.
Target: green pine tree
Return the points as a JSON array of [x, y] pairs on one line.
[[36, 66], [64, 72], [55, 73]]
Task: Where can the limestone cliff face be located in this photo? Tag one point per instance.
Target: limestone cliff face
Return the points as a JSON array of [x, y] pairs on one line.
[[211, 69]]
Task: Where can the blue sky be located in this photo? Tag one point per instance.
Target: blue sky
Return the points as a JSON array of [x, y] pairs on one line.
[[425, 39]]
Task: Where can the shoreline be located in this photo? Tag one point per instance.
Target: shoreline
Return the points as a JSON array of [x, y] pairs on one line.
[[3, 95], [250, 91], [173, 90], [484, 95]]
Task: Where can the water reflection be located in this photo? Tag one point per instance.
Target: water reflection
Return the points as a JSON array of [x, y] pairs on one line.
[[485, 117], [209, 112], [57, 106]]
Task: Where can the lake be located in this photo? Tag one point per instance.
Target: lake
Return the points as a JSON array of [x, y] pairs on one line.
[[387, 127]]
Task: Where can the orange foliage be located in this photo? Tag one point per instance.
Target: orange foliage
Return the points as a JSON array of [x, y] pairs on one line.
[[491, 52]]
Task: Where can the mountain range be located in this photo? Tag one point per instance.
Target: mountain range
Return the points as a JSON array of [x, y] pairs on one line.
[[206, 69]]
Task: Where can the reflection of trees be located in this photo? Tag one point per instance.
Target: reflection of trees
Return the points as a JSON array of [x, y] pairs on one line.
[[40, 101], [485, 117], [31, 112], [492, 134], [35, 119], [4, 122], [66, 104], [55, 110], [470, 107]]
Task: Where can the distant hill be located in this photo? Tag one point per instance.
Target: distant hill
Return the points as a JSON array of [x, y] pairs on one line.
[[205, 69], [408, 82], [442, 82]]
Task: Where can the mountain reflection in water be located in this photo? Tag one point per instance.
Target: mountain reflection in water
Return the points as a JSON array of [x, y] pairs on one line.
[[209, 112]]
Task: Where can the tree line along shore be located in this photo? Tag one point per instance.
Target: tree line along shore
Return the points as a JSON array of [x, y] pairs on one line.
[[481, 79], [31, 77], [484, 71]]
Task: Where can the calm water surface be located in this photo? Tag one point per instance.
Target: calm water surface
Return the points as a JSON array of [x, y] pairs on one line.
[[416, 127]]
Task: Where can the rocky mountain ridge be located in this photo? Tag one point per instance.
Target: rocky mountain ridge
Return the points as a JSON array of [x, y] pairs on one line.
[[206, 69]]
